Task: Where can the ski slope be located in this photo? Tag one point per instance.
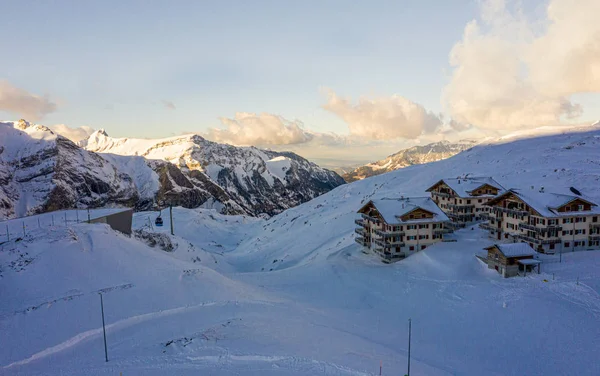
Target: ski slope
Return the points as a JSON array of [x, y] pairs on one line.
[[294, 295]]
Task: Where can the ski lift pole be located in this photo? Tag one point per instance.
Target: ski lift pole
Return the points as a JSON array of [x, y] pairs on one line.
[[103, 328], [171, 215], [409, 334]]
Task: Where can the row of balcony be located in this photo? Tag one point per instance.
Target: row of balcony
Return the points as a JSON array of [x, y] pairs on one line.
[[370, 219], [440, 194], [460, 206], [522, 213], [361, 240], [537, 241], [388, 234], [539, 229], [389, 244]]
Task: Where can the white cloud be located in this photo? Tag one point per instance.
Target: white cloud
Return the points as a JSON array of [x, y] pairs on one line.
[[510, 73], [169, 105], [73, 134], [23, 103], [383, 118], [259, 129]]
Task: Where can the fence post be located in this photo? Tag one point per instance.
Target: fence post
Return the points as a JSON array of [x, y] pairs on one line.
[[77, 215], [7, 234], [66, 225], [52, 220], [39, 225], [23, 228]]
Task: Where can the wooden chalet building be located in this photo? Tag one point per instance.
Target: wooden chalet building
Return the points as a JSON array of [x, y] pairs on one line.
[[396, 228], [463, 199], [548, 222], [512, 259]]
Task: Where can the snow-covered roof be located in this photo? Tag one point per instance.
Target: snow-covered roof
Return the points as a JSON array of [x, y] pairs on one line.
[[529, 261], [515, 249], [393, 208], [463, 186], [547, 203]]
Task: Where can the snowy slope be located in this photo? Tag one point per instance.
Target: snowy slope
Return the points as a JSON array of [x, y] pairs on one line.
[[294, 295], [412, 156]]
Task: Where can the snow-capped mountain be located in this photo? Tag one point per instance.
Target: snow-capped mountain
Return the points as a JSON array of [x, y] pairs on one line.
[[412, 156], [42, 171], [231, 179]]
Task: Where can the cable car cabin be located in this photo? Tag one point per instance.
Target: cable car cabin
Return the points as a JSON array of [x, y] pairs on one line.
[[158, 221]]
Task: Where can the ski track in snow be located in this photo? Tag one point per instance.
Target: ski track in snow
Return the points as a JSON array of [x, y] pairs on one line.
[[133, 320]]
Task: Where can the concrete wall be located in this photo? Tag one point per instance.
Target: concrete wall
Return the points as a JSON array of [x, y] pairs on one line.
[[120, 221]]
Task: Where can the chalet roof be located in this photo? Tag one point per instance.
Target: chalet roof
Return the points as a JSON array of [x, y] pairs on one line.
[[547, 203], [393, 208], [465, 185], [515, 249]]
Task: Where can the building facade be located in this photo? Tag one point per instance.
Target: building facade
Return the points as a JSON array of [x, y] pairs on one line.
[[510, 260], [464, 199], [548, 222], [397, 228]]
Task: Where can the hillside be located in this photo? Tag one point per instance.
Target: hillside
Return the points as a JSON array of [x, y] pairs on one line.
[[408, 157], [294, 294]]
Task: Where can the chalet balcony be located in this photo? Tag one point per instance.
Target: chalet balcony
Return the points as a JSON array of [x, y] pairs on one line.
[[389, 243], [359, 222], [461, 216], [536, 240], [595, 225], [370, 219], [454, 225], [442, 231], [594, 237], [521, 213], [388, 234], [360, 231], [539, 230], [485, 215], [387, 258], [361, 240], [461, 206], [440, 194], [487, 226]]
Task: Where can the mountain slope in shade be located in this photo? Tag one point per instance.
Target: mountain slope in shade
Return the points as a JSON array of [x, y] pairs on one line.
[[412, 156], [238, 179]]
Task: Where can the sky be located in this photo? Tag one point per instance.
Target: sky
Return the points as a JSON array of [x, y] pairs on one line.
[[338, 82]]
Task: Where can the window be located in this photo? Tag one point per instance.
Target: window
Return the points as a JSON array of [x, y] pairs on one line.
[[567, 220], [424, 226], [423, 247], [479, 200], [594, 219], [567, 244], [564, 233], [468, 201], [460, 201], [411, 227], [412, 248], [421, 237], [579, 207], [552, 246], [411, 237], [411, 216], [580, 232]]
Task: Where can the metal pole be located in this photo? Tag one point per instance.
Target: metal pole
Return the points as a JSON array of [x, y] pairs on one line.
[[89, 221], [66, 219], [103, 327], [77, 215], [409, 334], [7, 234], [39, 225], [52, 219], [171, 214], [23, 228]]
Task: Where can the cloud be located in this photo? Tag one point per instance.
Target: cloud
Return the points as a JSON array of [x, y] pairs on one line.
[[23, 103], [512, 73], [383, 118], [259, 129], [169, 105], [73, 134]]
